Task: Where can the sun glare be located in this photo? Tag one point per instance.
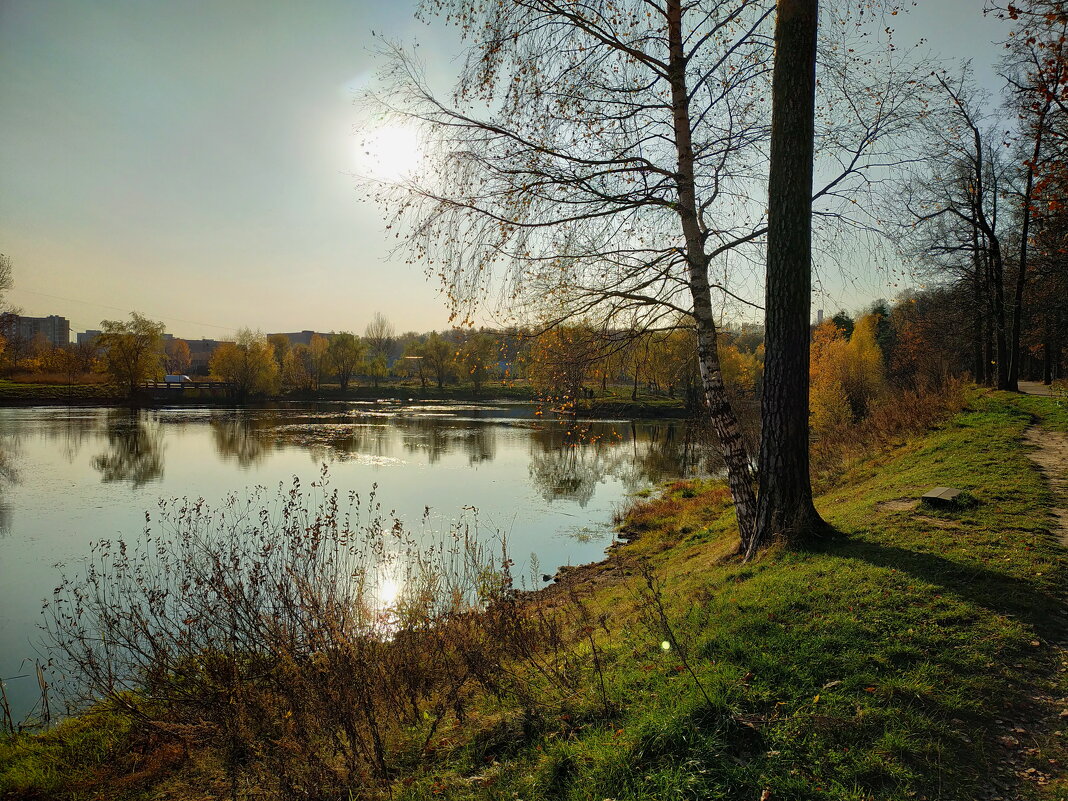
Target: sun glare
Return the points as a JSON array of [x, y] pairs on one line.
[[389, 592], [389, 153]]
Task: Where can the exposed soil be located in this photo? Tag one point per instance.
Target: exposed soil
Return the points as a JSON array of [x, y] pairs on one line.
[[898, 505], [1051, 455]]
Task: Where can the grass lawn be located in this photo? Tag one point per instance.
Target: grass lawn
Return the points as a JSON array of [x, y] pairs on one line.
[[17, 392]]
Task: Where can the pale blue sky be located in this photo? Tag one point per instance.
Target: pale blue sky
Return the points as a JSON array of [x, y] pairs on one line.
[[188, 159]]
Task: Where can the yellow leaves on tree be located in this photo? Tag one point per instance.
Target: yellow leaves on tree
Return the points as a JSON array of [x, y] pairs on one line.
[[846, 375], [865, 373], [828, 404], [561, 360], [248, 365], [742, 370]]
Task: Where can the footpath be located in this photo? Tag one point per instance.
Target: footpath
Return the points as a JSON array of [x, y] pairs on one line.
[[1034, 743]]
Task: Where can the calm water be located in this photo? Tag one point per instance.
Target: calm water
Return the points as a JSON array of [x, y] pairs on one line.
[[71, 476]]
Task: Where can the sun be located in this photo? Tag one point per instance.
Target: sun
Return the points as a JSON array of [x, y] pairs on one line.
[[389, 592], [390, 152]]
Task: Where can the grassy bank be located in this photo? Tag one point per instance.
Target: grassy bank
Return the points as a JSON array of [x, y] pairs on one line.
[[916, 655], [18, 393]]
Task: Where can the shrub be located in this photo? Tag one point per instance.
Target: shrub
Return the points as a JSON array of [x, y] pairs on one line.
[[313, 645]]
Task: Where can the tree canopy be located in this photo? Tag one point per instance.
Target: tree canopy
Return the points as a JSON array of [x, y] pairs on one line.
[[131, 350]]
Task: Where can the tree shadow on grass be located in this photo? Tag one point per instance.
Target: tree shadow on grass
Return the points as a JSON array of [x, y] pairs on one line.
[[997, 592]]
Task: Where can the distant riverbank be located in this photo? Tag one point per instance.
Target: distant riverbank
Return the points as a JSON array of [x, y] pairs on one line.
[[13, 393]]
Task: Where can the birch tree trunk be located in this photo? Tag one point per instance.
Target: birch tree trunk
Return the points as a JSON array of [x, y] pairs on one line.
[[724, 420]]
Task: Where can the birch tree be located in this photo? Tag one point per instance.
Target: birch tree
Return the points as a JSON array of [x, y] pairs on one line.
[[605, 159]]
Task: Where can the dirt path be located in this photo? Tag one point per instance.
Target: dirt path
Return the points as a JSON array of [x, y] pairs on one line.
[[1051, 455], [1032, 745], [1035, 388]]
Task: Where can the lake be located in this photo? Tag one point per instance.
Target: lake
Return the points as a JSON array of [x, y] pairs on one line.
[[69, 476]]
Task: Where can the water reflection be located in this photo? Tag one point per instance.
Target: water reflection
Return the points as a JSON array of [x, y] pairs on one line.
[[9, 473], [135, 448], [6, 517], [236, 439], [567, 458], [69, 476], [71, 429]]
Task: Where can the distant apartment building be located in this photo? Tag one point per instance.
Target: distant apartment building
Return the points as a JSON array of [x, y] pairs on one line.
[[299, 337], [53, 328], [200, 351]]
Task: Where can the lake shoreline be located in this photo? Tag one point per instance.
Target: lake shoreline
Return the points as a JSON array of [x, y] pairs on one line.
[[101, 395]]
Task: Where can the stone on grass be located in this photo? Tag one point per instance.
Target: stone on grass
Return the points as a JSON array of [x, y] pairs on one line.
[[941, 497]]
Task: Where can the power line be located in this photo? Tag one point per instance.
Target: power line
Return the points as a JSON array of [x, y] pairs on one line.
[[117, 308]]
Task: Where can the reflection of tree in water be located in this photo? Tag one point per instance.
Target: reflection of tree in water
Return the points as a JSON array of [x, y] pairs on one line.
[[242, 437], [426, 434], [664, 451], [10, 448], [480, 443], [569, 458], [566, 474], [9, 474], [72, 431], [438, 437], [374, 440], [135, 448]]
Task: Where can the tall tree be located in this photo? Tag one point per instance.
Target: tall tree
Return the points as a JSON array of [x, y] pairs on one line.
[[346, 353], [178, 356], [785, 508], [414, 362], [298, 371], [1036, 70], [600, 159], [438, 354], [379, 335], [956, 221], [7, 281], [132, 350], [319, 353], [248, 364], [478, 358], [281, 348]]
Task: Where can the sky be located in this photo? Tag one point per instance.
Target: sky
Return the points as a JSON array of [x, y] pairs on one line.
[[192, 160]]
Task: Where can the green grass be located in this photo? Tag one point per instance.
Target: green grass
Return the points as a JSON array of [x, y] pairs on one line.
[[22, 393], [1051, 412], [63, 762], [874, 666]]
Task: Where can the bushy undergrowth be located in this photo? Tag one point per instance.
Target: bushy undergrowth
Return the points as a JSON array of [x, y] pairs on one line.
[[889, 420], [315, 646]]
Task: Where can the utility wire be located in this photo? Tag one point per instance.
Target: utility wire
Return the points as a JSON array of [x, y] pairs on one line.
[[117, 308]]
